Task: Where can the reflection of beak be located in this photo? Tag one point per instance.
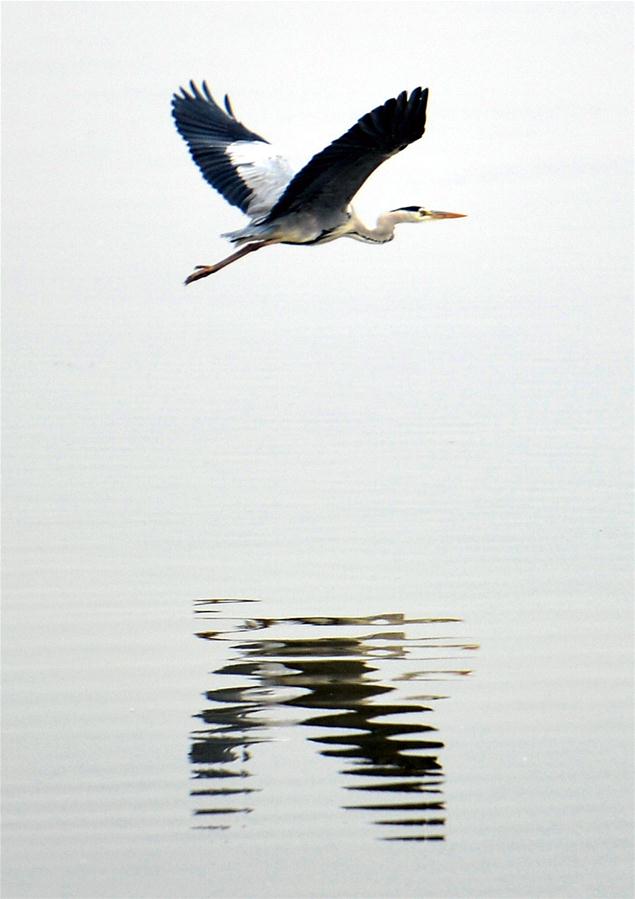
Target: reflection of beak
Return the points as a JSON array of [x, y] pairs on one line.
[[446, 215]]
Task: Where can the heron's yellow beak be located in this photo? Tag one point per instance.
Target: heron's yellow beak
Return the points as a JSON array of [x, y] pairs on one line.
[[446, 215]]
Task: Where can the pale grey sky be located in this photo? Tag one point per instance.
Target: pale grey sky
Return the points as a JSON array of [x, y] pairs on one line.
[[529, 127]]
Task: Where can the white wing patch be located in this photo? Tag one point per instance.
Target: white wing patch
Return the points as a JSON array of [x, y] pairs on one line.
[[264, 171]]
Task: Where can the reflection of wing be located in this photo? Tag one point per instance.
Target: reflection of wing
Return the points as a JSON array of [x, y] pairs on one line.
[[237, 162], [332, 178]]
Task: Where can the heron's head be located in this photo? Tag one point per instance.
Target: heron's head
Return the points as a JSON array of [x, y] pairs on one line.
[[421, 214]]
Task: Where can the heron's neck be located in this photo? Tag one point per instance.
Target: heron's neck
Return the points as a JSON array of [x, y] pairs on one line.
[[383, 231]]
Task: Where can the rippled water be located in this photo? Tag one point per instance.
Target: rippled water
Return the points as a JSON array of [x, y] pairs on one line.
[[362, 687]]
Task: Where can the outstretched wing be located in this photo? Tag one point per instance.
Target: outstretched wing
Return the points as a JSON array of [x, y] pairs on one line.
[[237, 162], [332, 177]]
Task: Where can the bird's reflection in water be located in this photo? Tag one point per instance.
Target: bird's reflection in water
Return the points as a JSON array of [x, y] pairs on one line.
[[356, 683]]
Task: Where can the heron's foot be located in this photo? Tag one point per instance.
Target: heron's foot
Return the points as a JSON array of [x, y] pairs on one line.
[[200, 271]]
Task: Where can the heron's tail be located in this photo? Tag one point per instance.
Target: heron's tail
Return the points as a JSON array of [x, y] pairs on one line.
[[244, 235]]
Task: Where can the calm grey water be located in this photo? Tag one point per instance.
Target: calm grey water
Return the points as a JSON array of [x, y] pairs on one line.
[[372, 532], [317, 576]]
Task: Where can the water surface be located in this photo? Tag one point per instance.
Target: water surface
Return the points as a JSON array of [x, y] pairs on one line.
[[382, 457]]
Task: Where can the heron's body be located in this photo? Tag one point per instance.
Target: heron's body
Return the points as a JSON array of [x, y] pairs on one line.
[[310, 229], [313, 206], [294, 228]]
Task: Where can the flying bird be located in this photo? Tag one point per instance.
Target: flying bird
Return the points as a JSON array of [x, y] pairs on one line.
[[312, 206]]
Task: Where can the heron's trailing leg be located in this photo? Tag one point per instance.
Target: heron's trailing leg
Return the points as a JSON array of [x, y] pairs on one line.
[[202, 271]]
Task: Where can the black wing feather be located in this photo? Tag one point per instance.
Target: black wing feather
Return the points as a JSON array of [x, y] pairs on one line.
[[332, 177], [208, 130]]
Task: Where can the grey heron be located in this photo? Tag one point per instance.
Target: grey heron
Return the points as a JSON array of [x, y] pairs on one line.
[[312, 206]]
